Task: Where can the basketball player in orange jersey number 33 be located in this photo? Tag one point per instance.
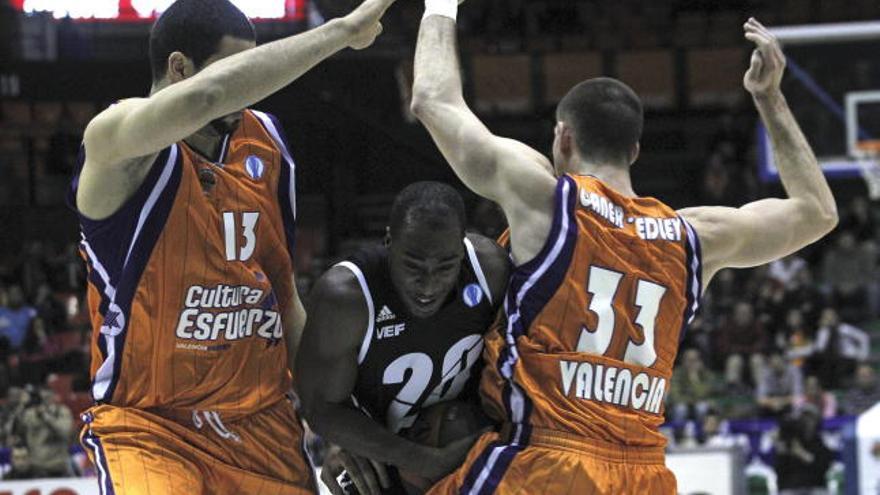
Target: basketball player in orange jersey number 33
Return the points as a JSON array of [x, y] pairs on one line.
[[605, 281], [187, 209]]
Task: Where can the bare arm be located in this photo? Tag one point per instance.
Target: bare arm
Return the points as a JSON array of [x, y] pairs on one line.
[[327, 370], [122, 141], [769, 229], [506, 171], [294, 320], [142, 126]]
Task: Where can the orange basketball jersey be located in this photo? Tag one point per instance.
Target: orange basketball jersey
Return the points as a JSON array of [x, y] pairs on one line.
[[189, 279], [592, 325]]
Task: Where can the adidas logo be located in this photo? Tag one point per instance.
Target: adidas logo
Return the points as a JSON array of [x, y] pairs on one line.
[[385, 314]]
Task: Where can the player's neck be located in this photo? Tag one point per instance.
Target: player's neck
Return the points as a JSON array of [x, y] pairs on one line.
[[614, 176], [205, 143]]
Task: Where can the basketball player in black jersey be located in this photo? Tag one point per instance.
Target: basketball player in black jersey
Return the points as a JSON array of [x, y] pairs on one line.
[[394, 329]]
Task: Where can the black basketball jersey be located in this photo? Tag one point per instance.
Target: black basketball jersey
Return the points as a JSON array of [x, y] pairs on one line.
[[407, 363]]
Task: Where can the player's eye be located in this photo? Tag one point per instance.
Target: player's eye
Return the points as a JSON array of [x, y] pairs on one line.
[[413, 268]]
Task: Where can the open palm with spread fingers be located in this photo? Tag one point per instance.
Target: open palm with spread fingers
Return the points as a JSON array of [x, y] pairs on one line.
[[768, 62]]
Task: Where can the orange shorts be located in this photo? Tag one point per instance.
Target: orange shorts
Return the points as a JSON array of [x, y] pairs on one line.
[[139, 452], [553, 463]]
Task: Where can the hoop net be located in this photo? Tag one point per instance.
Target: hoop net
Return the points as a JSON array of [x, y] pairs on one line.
[[868, 159]]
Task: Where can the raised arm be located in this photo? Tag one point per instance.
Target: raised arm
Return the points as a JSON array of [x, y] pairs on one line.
[[508, 172], [141, 126], [327, 370], [769, 229]]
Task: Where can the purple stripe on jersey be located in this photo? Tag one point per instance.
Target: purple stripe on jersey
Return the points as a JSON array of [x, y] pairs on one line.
[[531, 289], [530, 266], [284, 199], [694, 285], [698, 267], [490, 467], [287, 178], [110, 238], [93, 443], [532, 285], [551, 277], [689, 298], [280, 130], [474, 472], [496, 474], [95, 279], [150, 225]]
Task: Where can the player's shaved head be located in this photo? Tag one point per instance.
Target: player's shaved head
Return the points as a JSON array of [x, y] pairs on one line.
[[606, 117], [425, 245], [195, 28], [427, 203]]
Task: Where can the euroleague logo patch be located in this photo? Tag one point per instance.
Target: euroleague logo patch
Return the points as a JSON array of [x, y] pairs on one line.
[[254, 167], [472, 295]]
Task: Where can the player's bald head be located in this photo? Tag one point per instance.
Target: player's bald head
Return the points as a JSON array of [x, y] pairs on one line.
[[606, 117], [195, 28]]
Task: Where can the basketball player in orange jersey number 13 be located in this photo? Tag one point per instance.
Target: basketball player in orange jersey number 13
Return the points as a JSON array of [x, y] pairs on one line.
[[605, 281], [187, 210]]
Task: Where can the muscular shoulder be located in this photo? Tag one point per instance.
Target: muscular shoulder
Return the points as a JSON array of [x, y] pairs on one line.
[[720, 232], [338, 286], [337, 306], [105, 123], [494, 262]]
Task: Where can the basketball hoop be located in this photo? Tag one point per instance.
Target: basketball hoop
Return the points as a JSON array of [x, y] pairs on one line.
[[868, 159]]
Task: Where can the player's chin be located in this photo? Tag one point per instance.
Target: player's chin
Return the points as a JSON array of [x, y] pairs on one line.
[[422, 310]]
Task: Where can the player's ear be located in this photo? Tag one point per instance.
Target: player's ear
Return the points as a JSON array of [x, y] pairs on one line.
[[566, 139], [634, 153], [387, 240], [180, 67]]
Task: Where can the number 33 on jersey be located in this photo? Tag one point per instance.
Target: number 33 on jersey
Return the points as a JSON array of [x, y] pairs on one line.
[[599, 314]]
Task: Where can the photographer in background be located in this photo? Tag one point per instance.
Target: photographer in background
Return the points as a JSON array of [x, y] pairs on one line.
[[43, 427], [802, 458]]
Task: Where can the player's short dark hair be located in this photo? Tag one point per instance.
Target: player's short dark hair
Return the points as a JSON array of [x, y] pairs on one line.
[[606, 116], [195, 28], [427, 203]]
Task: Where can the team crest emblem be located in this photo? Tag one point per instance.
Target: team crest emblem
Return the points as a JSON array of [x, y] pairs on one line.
[[254, 167], [472, 295], [114, 321]]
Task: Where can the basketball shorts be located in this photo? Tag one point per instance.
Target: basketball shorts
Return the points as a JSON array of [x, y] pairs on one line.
[[154, 453], [557, 463]]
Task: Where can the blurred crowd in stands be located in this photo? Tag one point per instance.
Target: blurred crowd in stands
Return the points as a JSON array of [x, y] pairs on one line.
[[44, 333], [795, 342]]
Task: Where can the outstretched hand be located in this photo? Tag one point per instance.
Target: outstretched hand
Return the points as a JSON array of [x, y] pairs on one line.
[[364, 22], [768, 62]]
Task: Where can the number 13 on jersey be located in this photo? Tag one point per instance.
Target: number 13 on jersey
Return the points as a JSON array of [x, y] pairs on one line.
[[235, 250], [603, 285]]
